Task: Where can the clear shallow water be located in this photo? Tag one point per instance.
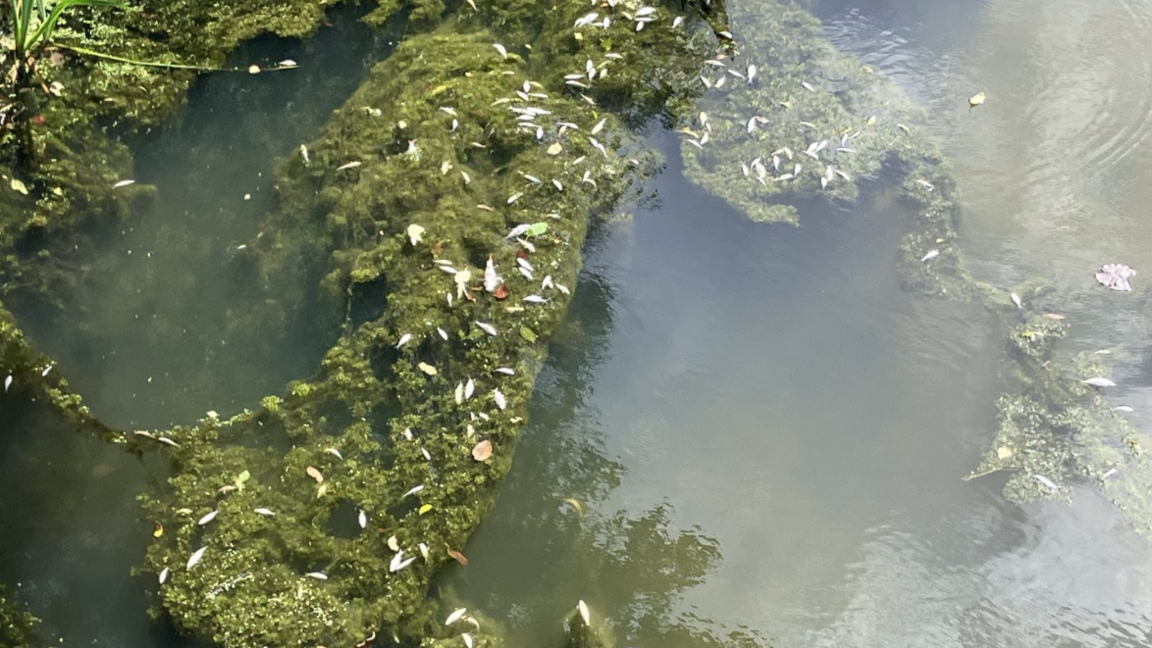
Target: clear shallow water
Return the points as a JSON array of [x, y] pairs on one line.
[[781, 429]]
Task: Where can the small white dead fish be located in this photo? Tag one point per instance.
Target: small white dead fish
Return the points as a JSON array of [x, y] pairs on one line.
[[808, 86], [486, 327], [44, 374], [427, 455], [514, 197], [526, 272], [564, 289], [1016, 300], [1099, 381], [535, 299], [208, 518], [924, 183], [167, 441], [751, 74], [456, 615], [599, 126], [677, 21], [7, 383], [517, 231], [195, 558], [317, 575], [598, 146], [362, 518], [468, 643], [349, 165], [1109, 473], [413, 491], [469, 389], [498, 396], [501, 49], [265, 512], [507, 371], [404, 339], [491, 279], [547, 283], [304, 155], [585, 20], [1047, 483], [932, 254], [556, 183], [585, 613], [164, 575], [399, 562], [335, 453], [123, 183], [443, 333], [458, 394], [1124, 408]]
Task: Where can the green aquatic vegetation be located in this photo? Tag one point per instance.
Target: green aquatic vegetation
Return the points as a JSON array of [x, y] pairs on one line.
[[17, 627], [32, 22], [435, 139]]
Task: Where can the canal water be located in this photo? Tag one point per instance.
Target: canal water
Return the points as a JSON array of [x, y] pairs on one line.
[[741, 426]]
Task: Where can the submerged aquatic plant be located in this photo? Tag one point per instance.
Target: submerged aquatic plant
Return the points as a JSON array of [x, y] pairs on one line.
[[31, 23]]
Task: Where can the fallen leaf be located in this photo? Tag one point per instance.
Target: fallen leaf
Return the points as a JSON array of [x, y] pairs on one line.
[[501, 292], [528, 334], [427, 368], [555, 149], [253, 69], [315, 474], [18, 185], [482, 451], [976, 99], [1003, 452], [424, 509], [459, 557], [157, 530]]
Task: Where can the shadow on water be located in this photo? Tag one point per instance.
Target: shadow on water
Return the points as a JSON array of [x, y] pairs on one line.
[[169, 317]]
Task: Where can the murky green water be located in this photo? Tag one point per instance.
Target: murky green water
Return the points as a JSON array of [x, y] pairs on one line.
[[750, 424]]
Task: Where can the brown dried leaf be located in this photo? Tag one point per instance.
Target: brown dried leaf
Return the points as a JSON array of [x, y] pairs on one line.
[[482, 451], [459, 557], [315, 474], [501, 292]]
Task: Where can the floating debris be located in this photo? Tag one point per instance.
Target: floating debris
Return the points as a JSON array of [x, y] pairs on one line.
[[1116, 276], [314, 473], [976, 99]]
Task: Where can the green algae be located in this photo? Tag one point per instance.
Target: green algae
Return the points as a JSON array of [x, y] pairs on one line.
[[428, 140], [17, 627]]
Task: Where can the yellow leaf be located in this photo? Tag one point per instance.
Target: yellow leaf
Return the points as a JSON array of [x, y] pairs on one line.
[[19, 186], [427, 368], [158, 530], [315, 474], [976, 99], [425, 508]]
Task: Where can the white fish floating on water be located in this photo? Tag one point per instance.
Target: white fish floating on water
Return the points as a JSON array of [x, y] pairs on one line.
[[751, 74], [1099, 381], [599, 126], [265, 512], [468, 643], [498, 397], [1016, 300], [456, 615], [458, 394], [1124, 408], [164, 575], [208, 517], [195, 557], [469, 389], [443, 334], [335, 453], [404, 339], [501, 49], [123, 183], [517, 231], [399, 562], [7, 383], [349, 165], [585, 20], [44, 374], [1109, 473], [486, 327], [677, 21], [507, 371], [317, 575], [1046, 483], [585, 613], [304, 155], [535, 299], [413, 491], [932, 254], [362, 518]]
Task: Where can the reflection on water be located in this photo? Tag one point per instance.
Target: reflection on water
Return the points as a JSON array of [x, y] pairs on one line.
[[741, 425]]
